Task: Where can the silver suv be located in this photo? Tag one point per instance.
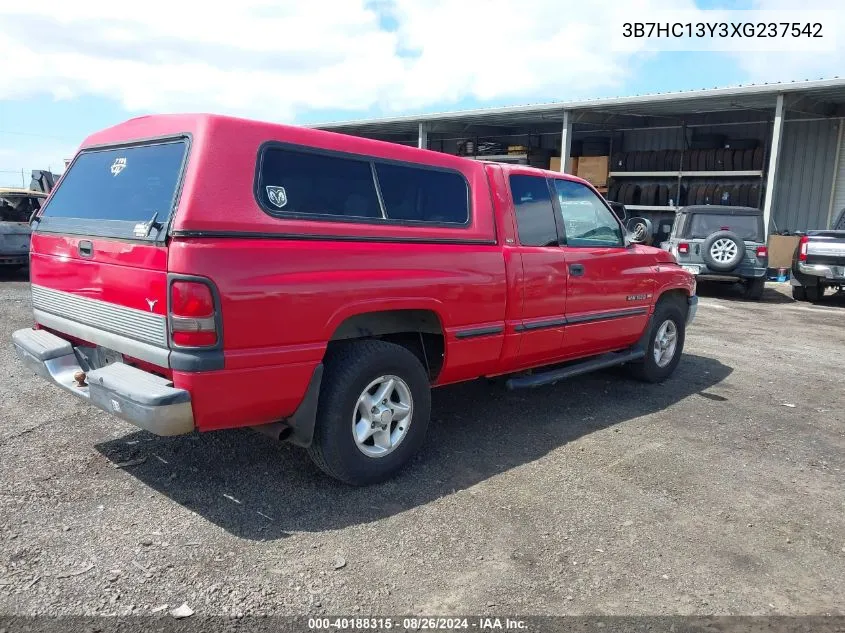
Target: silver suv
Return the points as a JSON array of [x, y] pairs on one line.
[[721, 244]]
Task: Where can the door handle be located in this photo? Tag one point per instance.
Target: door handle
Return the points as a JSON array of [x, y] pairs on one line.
[[576, 270], [85, 248]]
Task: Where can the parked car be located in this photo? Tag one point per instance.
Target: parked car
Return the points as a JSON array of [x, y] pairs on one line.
[[721, 243], [16, 207], [819, 262], [204, 272]]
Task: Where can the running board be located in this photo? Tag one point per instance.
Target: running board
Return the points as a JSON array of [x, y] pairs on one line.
[[576, 369]]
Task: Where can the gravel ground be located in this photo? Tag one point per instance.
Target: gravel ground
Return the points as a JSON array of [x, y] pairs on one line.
[[718, 492]]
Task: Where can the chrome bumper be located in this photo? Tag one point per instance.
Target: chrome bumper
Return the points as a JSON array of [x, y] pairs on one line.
[[823, 270], [144, 399], [692, 309]]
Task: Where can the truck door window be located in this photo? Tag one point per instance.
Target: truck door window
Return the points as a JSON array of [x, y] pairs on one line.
[[587, 221], [535, 215]]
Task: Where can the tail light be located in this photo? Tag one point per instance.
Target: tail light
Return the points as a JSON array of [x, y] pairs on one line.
[[683, 248], [762, 251], [193, 314], [802, 249]]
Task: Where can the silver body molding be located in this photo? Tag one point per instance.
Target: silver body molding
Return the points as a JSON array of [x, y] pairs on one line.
[[145, 327]]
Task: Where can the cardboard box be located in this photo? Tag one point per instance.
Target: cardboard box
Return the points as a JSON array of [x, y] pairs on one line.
[[594, 169], [554, 164], [781, 248]]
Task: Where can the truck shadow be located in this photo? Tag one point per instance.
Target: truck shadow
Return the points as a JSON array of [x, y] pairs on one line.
[[257, 489], [721, 290]]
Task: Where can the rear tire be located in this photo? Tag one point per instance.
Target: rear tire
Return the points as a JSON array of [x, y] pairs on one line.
[[353, 372], [814, 293], [754, 288], [668, 317], [799, 293]]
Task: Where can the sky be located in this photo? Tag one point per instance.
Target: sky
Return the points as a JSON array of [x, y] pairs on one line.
[[71, 68]]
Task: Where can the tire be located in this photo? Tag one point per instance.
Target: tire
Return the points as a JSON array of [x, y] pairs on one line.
[[754, 288], [721, 241], [744, 143], [814, 293], [702, 160], [743, 195], [648, 369], [798, 293], [617, 162], [349, 370], [641, 161]]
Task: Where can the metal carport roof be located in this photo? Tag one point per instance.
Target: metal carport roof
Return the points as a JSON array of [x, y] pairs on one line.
[[813, 96]]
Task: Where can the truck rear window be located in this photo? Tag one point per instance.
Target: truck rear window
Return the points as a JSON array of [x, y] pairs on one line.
[[747, 227], [109, 191]]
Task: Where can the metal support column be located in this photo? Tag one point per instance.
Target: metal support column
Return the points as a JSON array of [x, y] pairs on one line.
[[774, 156], [565, 142], [422, 143]]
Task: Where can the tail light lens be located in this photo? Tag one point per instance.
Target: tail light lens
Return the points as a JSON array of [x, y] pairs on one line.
[[762, 251], [683, 248], [802, 248], [193, 313]]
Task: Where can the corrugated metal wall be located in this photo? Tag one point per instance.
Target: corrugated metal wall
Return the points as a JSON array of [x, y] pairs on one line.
[[805, 175], [839, 187]]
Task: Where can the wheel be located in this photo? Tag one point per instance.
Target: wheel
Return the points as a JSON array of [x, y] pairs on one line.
[[664, 345], [814, 293], [799, 293], [754, 288], [722, 251], [373, 412]]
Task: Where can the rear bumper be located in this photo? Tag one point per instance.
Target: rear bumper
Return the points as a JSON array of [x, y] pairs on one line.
[[824, 271], [142, 398]]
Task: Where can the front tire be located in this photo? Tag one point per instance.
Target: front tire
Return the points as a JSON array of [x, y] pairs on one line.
[[373, 411], [664, 344]]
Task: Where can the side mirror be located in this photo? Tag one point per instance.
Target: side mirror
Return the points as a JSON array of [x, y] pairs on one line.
[[640, 230], [618, 210]]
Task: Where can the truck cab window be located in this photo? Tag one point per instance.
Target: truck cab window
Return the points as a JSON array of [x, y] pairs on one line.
[[535, 216], [588, 222]]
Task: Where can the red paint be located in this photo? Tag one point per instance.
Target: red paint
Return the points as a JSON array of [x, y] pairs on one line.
[[282, 297]]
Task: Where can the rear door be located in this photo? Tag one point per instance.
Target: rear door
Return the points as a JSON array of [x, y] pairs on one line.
[[610, 285], [99, 258]]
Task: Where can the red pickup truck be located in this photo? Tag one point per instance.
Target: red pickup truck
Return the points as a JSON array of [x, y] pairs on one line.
[[199, 272]]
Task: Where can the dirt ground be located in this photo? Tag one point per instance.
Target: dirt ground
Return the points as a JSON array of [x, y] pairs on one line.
[[721, 491]]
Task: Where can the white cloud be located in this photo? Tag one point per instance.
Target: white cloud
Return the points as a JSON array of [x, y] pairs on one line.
[[277, 60], [280, 59]]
